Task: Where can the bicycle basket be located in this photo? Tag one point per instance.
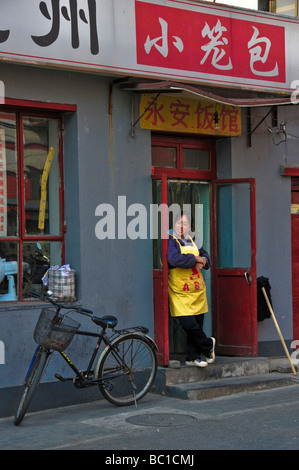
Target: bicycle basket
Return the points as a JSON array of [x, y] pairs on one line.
[[58, 335]]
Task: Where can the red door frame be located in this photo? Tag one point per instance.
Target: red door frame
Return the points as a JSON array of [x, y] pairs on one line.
[[237, 273], [161, 286], [160, 277]]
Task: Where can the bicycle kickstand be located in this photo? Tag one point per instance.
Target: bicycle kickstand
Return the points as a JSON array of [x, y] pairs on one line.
[[134, 394]]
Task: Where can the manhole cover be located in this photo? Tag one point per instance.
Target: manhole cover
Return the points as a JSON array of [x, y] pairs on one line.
[[161, 419]]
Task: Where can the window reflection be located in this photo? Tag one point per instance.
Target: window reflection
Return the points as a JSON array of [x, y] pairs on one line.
[[8, 176], [195, 159], [37, 259], [164, 157], [41, 176]]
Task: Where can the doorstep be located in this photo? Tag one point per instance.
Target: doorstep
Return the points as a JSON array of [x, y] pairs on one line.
[[228, 375]]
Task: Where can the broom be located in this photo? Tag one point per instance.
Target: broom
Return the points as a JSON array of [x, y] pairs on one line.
[[279, 332]]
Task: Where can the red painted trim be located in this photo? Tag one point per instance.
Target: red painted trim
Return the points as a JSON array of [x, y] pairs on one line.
[[185, 174], [39, 105], [160, 277], [290, 171], [163, 322], [44, 238]]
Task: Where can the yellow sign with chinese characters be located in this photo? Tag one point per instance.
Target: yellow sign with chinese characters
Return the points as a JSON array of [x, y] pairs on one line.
[[176, 114]]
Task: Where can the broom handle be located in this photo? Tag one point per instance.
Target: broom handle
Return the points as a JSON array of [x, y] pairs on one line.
[[279, 332]]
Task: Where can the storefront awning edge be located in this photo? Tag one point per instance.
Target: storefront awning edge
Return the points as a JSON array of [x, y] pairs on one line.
[[174, 87]]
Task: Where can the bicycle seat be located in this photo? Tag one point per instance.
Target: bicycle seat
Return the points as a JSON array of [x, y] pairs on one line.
[[109, 321]]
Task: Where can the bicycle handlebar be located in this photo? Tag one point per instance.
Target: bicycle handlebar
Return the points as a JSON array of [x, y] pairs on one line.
[[47, 298]]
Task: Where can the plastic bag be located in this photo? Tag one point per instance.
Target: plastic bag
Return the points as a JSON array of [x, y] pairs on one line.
[[61, 281]]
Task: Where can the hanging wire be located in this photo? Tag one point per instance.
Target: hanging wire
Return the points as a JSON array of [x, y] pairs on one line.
[[146, 109]]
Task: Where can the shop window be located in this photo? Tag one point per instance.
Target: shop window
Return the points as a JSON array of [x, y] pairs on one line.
[[164, 157], [31, 234], [183, 155], [284, 7], [195, 159]]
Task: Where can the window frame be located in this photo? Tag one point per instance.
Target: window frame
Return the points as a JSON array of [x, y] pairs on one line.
[[272, 8], [181, 142], [21, 109]]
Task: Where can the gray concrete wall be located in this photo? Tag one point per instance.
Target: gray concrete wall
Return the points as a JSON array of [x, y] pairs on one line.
[[101, 161], [263, 161]]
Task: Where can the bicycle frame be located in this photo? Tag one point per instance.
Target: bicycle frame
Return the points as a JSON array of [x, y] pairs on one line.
[[84, 380], [122, 356]]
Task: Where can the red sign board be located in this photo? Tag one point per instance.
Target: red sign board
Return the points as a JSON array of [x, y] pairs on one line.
[[210, 44]]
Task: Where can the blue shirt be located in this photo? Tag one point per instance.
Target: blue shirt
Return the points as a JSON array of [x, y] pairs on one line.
[[178, 260]]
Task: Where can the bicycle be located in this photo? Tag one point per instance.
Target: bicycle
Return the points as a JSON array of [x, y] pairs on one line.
[[124, 372]]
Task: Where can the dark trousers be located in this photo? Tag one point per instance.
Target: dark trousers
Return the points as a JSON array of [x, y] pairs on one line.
[[197, 341]]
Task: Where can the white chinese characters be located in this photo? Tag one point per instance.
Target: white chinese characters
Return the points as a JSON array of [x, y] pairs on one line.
[[257, 54], [163, 48], [217, 48], [216, 40]]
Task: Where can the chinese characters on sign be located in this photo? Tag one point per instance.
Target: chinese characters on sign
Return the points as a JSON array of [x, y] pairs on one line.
[[216, 39], [187, 40], [257, 54], [175, 114], [3, 186], [163, 49], [73, 15], [174, 39]]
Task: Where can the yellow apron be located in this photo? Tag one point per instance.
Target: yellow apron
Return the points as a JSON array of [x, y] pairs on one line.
[[186, 287]]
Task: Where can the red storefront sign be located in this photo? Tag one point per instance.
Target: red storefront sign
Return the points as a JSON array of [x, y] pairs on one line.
[[209, 44]]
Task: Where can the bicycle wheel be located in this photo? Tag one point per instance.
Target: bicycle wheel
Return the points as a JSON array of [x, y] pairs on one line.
[[31, 383], [128, 369]]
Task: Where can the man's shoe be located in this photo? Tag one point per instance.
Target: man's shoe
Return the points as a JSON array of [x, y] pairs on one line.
[[198, 363], [211, 357]]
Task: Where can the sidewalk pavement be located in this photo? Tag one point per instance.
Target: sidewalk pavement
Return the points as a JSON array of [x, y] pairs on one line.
[[256, 420]]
